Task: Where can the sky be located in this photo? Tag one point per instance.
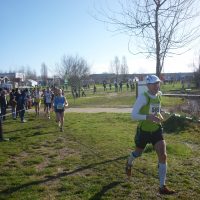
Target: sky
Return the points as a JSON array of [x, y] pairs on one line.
[[43, 31]]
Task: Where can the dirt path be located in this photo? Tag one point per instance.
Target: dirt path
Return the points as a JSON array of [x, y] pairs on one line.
[[94, 110], [99, 110]]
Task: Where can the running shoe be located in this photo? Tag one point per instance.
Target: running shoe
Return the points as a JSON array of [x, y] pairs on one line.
[[166, 190]]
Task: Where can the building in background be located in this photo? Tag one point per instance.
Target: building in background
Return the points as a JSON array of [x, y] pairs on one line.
[[15, 79]]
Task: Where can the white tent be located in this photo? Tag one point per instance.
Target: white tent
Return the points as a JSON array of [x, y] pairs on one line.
[[32, 82]]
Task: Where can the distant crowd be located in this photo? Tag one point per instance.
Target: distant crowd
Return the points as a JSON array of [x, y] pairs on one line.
[[119, 86]]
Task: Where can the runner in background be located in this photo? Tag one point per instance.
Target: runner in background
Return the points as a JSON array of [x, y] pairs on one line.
[[13, 103], [60, 102], [37, 100], [44, 99], [48, 101], [17, 94]]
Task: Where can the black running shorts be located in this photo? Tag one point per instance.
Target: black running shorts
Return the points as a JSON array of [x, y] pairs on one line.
[[142, 138]]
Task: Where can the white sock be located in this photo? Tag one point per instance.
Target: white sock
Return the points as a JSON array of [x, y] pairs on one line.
[[162, 171], [131, 158]]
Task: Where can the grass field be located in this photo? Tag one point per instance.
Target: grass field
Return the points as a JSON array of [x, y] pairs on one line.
[[87, 160], [113, 99]]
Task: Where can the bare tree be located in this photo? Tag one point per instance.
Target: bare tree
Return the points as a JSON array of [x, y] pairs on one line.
[[115, 67], [21, 70], [161, 27], [74, 69], [124, 68], [44, 73], [30, 74]]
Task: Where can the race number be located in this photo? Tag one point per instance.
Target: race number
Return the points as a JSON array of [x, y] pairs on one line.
[[154, 108], [60, 106]]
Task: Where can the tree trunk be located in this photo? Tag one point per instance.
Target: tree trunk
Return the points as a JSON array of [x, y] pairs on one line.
[[157, 42]]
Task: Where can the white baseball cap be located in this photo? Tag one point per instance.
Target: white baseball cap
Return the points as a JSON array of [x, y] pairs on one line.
[[152, 79]]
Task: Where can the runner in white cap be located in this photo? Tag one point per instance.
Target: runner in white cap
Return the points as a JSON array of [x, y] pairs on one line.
[[147, 110]]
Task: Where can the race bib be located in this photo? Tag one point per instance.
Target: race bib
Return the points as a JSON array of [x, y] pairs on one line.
[[60, 106], [154, 108]]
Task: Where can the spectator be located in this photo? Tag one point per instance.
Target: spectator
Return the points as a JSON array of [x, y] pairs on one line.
[[83, 92], [3, 104], [22, 105], [13, 103], [120, 86], [95, 89]]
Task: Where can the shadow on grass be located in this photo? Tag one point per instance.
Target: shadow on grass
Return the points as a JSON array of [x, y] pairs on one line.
[[36, 133], [11, 190], [25, 129], [98, 195]]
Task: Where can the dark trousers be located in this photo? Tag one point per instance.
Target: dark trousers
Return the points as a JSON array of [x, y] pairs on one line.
[[21, 114], [3, 112]]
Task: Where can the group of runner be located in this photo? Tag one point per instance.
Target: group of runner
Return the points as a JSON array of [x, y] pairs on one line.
[[21, 100]]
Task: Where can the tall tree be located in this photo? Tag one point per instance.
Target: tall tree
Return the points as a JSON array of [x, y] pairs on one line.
[[124, 66], [21, 70], [44, 73], [115, 67], [74, 69], [124, 69], [161, 27], [30, 74]]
